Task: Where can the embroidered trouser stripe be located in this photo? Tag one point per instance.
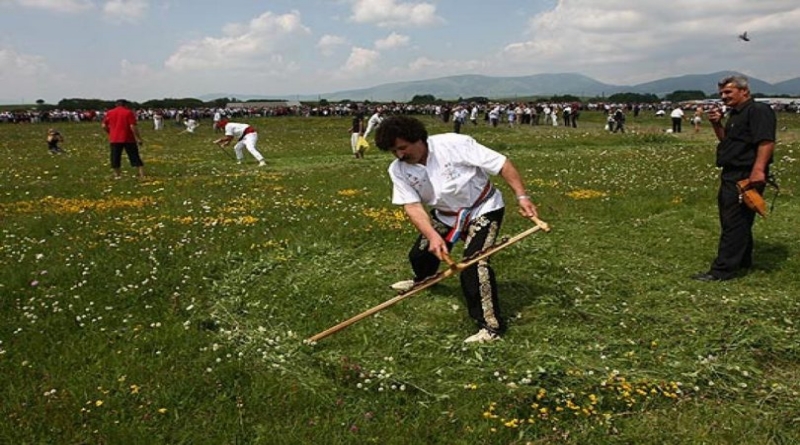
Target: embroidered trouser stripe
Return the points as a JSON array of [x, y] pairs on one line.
[[477, 281]]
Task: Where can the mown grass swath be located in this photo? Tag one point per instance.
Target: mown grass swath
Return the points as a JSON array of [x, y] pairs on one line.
[[174, 310]]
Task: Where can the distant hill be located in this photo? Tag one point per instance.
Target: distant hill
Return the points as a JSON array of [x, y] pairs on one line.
[[791, 86], [702, 82], [541, 85], [454, 87]]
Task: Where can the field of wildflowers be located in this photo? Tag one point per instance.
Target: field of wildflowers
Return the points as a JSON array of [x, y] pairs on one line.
[[174, 309]]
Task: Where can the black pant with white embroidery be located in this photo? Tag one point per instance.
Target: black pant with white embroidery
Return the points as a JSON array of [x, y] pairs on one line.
[[477, 281]]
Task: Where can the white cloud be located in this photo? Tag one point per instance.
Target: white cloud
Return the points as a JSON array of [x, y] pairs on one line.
[[255, 44], [386, 13], [328, 43], [14, 65], [56, 5], [618, 41], [27, 75], [130, 11], [361, 62], [393, 40], [135, 70]]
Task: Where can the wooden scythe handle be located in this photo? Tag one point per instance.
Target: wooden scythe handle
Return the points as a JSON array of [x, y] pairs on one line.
[[454, 268], [450, 263]]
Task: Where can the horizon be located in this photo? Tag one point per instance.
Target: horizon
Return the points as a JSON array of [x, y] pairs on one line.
[[208, 97]]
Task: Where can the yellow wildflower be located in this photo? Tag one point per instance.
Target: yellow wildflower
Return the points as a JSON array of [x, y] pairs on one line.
[[586, 194]]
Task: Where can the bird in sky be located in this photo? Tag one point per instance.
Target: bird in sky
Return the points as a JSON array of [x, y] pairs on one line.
[[744, 37]]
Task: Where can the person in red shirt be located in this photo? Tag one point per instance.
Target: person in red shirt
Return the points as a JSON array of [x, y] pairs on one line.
[[123, 135]]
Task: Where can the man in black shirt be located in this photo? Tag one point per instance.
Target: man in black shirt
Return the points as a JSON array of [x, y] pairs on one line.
[[356, 131], [747, 142]]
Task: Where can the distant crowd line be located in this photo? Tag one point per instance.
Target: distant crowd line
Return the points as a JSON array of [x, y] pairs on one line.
[[538, 113]]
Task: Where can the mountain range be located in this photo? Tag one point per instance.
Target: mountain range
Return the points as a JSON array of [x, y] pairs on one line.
[[540, 85]]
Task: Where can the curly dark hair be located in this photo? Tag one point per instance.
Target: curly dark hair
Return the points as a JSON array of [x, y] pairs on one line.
[[403, 127]]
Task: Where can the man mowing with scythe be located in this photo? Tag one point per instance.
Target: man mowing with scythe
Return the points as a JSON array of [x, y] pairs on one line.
[[246, 137], [450, 173]]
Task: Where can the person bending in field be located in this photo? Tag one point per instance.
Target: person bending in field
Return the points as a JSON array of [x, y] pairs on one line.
[[450, 173], [374, 121], [246, 137], [190, 125], [53, 139]]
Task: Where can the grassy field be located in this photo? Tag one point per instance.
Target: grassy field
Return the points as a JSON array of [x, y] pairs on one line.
[[173, 310]]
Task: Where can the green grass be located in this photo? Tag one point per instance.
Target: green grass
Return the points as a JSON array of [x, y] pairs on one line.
[[174, 310]]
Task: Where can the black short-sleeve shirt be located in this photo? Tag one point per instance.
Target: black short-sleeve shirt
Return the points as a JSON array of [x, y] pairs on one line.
[[746, 128], [358, 123]]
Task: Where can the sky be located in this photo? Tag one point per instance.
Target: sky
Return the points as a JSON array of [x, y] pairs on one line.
[[154, 49]]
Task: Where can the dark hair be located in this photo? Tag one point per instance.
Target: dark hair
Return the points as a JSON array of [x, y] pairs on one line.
[[402, 127], [121, 102]]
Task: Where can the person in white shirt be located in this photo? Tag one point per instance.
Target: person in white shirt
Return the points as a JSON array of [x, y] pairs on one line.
[[459, 118], [511, 115], [566, 114], [473, 115], [373, 121], [677, 119], [217, 118], [158, 120], [190, 125], [450, 173], [494, 115], [246, 137]]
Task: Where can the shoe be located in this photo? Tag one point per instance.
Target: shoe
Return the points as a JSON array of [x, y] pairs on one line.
[[403, 286], [483, 336], [239, 161], [262, 163], [706, 277]]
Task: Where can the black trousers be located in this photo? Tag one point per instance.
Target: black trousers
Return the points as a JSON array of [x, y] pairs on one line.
[[477, 281], [676, 124], [735, 249], [131, 148]]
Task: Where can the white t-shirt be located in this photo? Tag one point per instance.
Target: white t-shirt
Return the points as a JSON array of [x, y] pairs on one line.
[[456, 173], [374, 120], [235, 130], [676, 113]]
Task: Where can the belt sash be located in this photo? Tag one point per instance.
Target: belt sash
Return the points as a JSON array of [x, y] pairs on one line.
[[247, 131], [464, 214]]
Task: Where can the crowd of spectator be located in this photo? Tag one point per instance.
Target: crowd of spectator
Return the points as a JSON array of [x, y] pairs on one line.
[[511, 113]]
